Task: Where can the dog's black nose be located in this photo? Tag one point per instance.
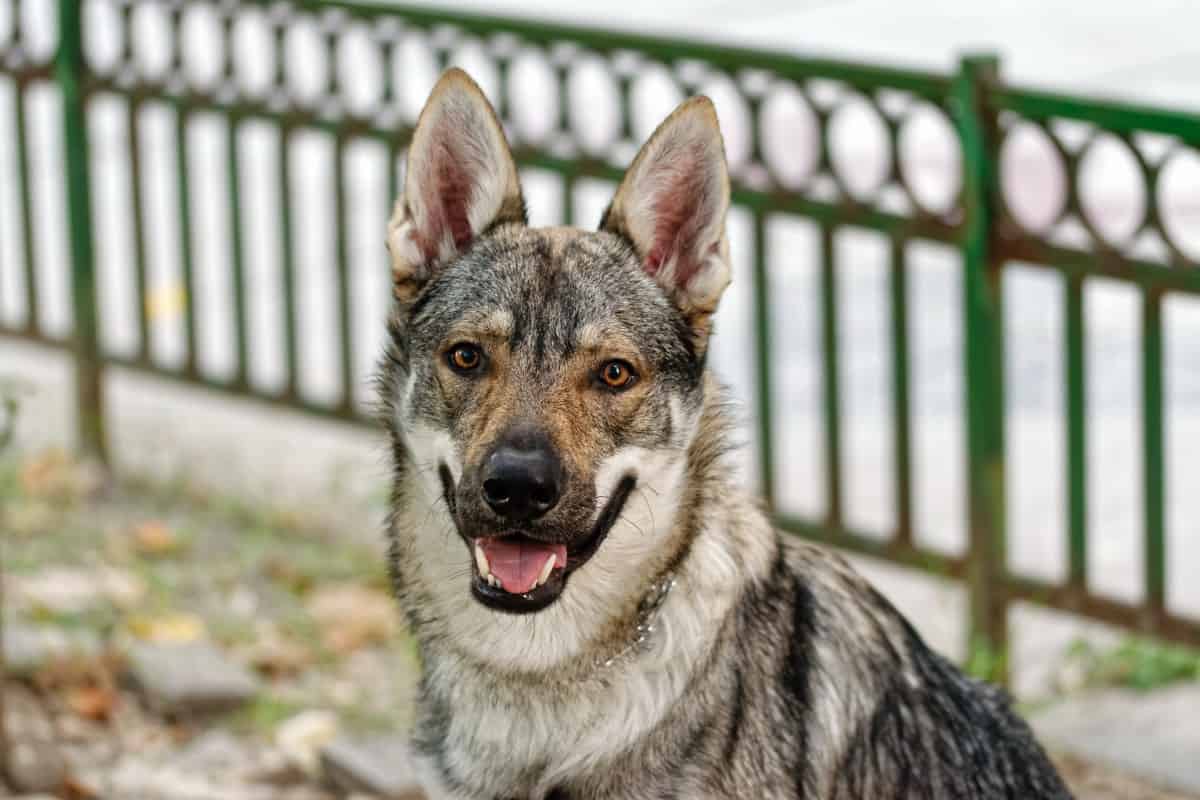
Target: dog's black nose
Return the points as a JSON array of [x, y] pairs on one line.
[[520, 484]]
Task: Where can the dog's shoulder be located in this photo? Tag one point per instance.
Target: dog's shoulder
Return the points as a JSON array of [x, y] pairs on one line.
[[894, 717]]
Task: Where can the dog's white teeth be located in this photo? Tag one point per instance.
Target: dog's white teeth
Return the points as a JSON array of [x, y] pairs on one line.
[[547, 568], [485, 569]]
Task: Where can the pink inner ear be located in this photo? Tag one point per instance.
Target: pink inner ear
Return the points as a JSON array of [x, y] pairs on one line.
[[451, 185], [679, 208]]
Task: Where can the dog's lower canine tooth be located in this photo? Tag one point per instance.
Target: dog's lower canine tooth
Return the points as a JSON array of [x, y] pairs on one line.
[[485, 569], [547, 568]]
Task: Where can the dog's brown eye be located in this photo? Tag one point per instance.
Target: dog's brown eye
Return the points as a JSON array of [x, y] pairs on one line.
[[617, 375], [465, 357]]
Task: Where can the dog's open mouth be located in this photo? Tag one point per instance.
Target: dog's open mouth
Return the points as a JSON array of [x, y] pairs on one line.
[[519, 574]]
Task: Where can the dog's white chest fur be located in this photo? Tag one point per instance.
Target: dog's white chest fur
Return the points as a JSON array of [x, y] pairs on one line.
[[525, 739]]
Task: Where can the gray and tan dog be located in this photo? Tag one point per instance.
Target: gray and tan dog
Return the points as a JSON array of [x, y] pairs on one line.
[[601, 612]]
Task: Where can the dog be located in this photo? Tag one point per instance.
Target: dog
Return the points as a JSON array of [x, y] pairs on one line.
[[600, 611]]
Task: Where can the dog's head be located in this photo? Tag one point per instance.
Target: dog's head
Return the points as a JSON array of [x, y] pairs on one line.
[[539, 379]]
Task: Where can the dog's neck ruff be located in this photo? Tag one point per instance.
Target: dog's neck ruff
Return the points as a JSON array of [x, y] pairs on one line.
[[647, 613]]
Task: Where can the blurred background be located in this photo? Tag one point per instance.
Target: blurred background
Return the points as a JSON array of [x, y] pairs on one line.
[[963, 332]]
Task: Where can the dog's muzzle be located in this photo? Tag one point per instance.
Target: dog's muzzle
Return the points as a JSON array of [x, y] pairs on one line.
[[515, 571]]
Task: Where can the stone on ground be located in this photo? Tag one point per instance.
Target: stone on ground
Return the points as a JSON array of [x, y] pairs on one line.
[[28, 649], [380, 766], [35, 761], [1155, 735], [36, 766], [193, 677], [75, 590], [300, 738]]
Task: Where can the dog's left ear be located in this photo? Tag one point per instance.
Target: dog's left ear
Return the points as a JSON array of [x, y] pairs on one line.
[[460, 180], [672, 204]]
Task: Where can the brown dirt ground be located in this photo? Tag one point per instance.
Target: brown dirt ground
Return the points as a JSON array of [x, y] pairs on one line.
[[1091, 781]]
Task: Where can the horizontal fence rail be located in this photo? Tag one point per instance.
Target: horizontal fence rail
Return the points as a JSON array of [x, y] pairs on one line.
[[143, 88]]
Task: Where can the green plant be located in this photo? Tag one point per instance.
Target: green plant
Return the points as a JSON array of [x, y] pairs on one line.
[[1137, 663]]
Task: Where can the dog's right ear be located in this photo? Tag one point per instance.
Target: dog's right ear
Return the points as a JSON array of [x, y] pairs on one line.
[[460, 180]]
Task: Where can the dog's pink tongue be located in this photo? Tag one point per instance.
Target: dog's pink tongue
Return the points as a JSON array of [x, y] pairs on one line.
[[518, 563]]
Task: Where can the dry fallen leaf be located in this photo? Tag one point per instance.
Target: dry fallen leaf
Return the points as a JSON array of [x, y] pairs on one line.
[[170, 628], [155, 538], [92, 702], [75, 789], [166, 302], [352, 616], [55, 475], [47, 474], [276, 655]]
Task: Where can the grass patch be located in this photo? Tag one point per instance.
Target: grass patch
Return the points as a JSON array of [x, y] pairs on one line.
[[1137, 663], [263, 714]]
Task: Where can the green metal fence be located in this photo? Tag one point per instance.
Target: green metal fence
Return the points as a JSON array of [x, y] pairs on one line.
[[975, 220]]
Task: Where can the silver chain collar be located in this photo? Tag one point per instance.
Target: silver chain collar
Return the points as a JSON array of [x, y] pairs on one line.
[[647, 611]]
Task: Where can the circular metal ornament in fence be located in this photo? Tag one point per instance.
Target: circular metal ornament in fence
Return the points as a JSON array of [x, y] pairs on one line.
[[653, 95], [360, 69], [103, 34], [593, 105], [929, 159], [859, 147], [202, 45], [535, 111], [153, 40], [1033, 177], [736, 124], [1178, 202], [790, 137], [254, 55], [415, 71], [1111, 190], [306, 61]]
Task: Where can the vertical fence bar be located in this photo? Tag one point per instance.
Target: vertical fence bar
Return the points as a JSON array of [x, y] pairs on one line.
[[89, 380], [984, 352], [34, 322], [832, 378], [136, 210], [901, 409], [1153, 470], [288, 261], [233, 180], [183, 169], [568, 199], [187, 265], [349, 393], [763, 361], [1076, 435]]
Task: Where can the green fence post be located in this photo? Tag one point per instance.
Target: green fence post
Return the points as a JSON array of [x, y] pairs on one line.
[[89, 385], [983, 326]]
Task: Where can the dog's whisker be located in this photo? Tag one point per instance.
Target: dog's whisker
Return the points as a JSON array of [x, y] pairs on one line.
[[650, 511]]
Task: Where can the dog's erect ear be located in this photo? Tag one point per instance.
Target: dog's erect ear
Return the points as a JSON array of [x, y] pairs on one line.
[[671, 205], [460, 181]]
